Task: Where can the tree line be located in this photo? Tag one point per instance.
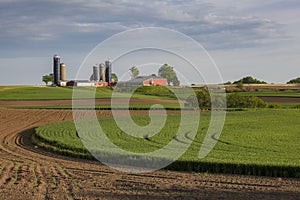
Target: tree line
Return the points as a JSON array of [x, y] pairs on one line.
[[251, 80]]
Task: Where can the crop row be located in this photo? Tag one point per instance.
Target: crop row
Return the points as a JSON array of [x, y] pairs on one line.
[[256, 142]]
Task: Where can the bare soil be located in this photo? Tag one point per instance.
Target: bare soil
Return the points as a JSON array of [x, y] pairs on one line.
[[281, 99], [82, 102], [27, 172], [21, 103]]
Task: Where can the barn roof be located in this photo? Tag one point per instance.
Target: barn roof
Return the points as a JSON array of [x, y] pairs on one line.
[[140, 79]]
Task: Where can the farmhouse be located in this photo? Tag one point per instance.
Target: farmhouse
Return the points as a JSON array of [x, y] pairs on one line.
[[145, 81]]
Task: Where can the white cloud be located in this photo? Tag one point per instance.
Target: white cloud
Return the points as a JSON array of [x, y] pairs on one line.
[[30, 27]]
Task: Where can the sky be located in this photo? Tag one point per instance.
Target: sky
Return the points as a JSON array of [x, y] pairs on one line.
[[249, 37]]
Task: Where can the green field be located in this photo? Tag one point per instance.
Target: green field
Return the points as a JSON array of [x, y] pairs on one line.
[[257, 142], [39, 93], [60, 93], [48, 93]]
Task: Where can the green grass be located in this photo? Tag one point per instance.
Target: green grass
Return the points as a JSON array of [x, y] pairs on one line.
[[289, 105], [62, 93], [258, 142], [49, 93]]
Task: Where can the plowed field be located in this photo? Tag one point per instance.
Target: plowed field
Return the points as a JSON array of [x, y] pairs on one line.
[[30, 173]]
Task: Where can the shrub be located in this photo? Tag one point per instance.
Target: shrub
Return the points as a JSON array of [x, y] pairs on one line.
[[297, 106], [274, 105], [202, 99], [238, 101], [235, 100]]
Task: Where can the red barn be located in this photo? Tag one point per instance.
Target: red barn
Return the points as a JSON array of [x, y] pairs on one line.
[[145, 81]]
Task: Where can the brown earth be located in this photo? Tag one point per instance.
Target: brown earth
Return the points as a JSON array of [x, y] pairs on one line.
[[281, 99], [31, 173], [82, 102], [22, 103]]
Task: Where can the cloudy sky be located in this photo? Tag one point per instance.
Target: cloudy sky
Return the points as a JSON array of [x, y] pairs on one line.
[[249, 37]]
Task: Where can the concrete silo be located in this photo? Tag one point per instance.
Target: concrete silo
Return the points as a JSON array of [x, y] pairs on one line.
[[102, 72], [108, 70], [56, 69], [96, 73], [63, 73]]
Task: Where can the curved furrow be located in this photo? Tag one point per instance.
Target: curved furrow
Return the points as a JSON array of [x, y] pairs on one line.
[[27, 172]]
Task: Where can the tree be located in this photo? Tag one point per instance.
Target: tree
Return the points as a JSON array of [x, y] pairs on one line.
[[240, 85], [175, 81], [134, 71], [114, 77], [294, 81], [228, 83], [168, 72], [249, 80], [48, 78]]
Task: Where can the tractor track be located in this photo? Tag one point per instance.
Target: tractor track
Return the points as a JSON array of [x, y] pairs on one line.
[[32, 173]]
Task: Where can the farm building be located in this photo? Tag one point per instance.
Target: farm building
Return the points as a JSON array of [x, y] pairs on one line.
[[80, 83], [86, 83], [100, 84], [145, 81], [102, 75]]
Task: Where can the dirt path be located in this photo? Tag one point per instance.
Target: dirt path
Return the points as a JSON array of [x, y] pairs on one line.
[[30, 173]]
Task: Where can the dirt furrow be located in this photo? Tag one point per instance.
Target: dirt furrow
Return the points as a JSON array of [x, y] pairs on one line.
[[31, 173]]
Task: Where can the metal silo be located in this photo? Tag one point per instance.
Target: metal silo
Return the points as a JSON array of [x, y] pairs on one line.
[[96, 73], [56, 70], [102, 72], [108, 70], [63, 73]]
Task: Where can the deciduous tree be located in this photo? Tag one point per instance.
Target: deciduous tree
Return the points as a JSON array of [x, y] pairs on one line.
[[134, 71], [48, 78], [168, 72]]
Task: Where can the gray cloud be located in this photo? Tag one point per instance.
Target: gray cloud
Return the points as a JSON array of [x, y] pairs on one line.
[[40, 24]]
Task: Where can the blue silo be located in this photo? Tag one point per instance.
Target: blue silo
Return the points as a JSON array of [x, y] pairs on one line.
[[56, 69], [108, 66]]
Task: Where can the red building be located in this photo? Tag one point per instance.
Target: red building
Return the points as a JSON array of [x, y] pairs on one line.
[[145, 81]]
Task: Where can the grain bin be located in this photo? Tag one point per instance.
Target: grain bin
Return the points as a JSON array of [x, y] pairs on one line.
[[96, 73], [63, 73], [102, 72]]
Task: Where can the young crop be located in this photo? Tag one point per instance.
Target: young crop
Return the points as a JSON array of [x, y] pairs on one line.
[[36, 180], [254, 142], [18, 167]]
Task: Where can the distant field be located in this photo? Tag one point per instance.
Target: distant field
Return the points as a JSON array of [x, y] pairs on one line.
[[65, 93], [58, 93], [286, 99], [258, 142], [36, 93], [271, 93]]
